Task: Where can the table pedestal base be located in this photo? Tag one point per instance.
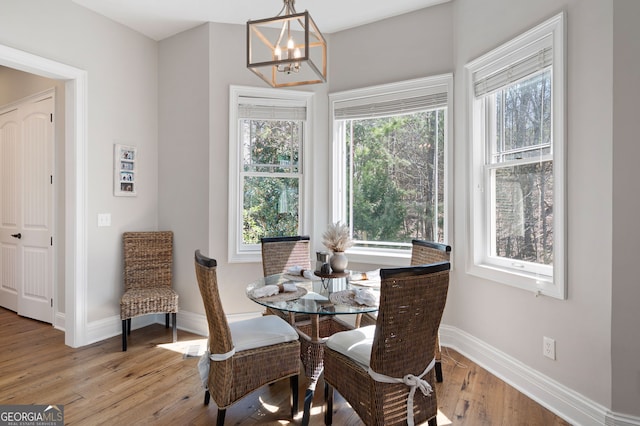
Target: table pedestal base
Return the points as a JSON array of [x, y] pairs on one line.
[[313, 335]]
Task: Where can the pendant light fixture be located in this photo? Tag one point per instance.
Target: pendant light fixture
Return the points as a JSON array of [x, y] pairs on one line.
[[288, 49]]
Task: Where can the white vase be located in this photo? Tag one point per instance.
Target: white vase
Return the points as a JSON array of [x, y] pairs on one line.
[[338, 261]]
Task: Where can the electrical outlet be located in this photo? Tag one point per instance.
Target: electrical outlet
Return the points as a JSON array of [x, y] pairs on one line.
[[549, 347]]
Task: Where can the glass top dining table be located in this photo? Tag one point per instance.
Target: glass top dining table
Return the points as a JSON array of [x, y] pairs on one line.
[[331, 294]]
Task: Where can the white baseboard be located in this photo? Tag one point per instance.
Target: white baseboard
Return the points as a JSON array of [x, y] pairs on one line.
[[59, 321], [615, 419], [561, 400]]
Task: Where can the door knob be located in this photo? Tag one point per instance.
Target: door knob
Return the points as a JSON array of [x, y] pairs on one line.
[[18, 235]]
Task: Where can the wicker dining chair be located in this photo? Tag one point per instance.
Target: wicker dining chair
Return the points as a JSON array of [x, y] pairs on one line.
[[423, 253], [281, 253], [384, 371], [242, 356], [148, 276]]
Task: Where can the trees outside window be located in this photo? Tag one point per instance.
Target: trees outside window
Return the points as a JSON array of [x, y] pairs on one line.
[[390, 164], [395, 172], [270, 178], [520, 170]]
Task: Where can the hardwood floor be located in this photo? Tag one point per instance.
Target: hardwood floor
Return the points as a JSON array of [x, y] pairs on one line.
[[154, 383]]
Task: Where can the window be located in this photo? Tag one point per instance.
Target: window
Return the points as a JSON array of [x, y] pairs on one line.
[[390, 164], [268, 130], [517, 134]]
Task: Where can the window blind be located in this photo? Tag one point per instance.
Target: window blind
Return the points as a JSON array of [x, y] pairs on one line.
[[531, 64], [263, 109], [389, 104]]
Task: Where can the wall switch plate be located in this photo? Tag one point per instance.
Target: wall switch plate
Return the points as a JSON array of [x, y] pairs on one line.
[[549, 347], [104, 219]]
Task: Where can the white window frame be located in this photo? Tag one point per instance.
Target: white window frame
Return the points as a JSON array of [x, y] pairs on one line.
[[550, 281], [387, 92], [237, 252]]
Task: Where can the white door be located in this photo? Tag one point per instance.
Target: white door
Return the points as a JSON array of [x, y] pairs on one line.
[[26, 209]]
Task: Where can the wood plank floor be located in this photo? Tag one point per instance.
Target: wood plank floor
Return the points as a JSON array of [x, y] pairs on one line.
[[155, 383]]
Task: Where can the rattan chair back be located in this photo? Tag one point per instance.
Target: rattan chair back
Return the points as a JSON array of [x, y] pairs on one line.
[[412, 301], [426, 252], [148, 259], [281, 253], [220, 341]]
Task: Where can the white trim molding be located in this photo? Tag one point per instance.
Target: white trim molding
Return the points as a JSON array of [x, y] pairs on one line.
[[75, 147], [568, 404]]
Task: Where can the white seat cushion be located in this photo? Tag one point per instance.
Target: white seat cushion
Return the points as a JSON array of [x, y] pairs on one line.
[[261, 331], [355, 344]]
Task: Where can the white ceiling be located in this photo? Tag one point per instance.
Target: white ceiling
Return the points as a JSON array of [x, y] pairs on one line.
[[159, 19]]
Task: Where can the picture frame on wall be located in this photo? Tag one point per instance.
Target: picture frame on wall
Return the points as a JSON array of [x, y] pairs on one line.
[[124, 174]]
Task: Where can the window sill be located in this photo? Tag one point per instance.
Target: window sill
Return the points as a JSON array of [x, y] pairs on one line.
[[379, 257], [537, 284]]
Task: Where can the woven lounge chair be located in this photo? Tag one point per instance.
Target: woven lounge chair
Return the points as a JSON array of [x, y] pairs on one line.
[[384, 371], [148, 258], [244, 355], [423, 253]]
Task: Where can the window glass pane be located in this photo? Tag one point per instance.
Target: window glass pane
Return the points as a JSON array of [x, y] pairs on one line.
[[271, 145], [270, 207], [523, 212], [395, 174], [523, 119]]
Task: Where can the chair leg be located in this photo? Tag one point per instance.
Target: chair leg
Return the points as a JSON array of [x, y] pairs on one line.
[[220, 421], [438, 368], [433, 422], [328, 404], [166, 320], [129, 326], [438, 357], [175, 326], [294, 395], [207, 397], [124, 335]]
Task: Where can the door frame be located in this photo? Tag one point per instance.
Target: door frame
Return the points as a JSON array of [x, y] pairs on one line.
[[75, 165]]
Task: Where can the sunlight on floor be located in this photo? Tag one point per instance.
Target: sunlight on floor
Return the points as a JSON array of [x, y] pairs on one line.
[[442, 419], [188, 348], [268, 407]]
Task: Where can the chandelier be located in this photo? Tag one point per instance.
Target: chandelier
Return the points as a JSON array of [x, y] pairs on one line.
[[288, 49]]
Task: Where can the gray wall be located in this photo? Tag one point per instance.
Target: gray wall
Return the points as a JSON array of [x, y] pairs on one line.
[[515, 321], [625, 319], [122, 89]]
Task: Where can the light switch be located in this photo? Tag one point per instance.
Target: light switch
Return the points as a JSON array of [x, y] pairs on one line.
[[104, 219]]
